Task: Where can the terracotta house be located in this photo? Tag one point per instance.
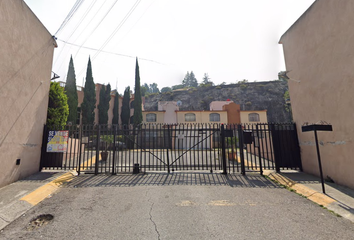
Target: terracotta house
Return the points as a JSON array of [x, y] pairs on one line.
[[319, 55]]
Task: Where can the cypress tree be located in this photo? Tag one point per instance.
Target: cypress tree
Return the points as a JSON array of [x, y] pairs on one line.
[[116, 109], [89, 103], [102, 107], [138, 115], [71, 92], [108, 98], [125, 115]]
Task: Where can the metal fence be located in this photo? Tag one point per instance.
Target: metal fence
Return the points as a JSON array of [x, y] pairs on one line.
[[161, 147]]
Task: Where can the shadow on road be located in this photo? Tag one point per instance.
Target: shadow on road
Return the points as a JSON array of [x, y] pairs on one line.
[[173, 179]]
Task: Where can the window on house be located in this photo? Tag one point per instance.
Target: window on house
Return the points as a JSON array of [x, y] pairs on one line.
[[132, 104], [253, 117], [151, 117], [214, 117], [189, 117]]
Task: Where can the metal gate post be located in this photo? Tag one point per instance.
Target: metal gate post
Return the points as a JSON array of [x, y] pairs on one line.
[[168, 146], [223, 150], [97, 149], [259, 151], [80, 150], [114, 150], [240, 139], [44, 146]]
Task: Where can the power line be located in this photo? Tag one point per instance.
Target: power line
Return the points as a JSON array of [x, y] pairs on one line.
[[77, 25], [70, 14], [137, 21], [114, 32], [108, 52], [99, 23], [118, 27]]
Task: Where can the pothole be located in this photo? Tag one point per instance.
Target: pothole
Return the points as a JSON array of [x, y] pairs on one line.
[[39, 221]]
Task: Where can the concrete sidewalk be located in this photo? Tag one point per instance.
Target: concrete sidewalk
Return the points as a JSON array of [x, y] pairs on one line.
[[17, 198], [338, 199]]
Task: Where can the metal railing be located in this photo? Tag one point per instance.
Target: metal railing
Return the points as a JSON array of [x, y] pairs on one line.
[[116, 149]]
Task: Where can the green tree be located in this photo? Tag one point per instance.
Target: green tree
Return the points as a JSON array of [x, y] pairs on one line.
[[193, 81], [143, 91], [138, 112], [185, 81], [58, 109], [71, 92], [166, 89], [116, 109], [154, 88], [125, 115], [89, 103], [147, 87], [103, 106], [190, 80]]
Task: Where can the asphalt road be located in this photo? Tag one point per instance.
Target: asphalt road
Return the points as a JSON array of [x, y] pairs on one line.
[[179, 206]]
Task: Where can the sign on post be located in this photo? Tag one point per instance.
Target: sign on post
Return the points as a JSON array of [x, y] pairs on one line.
[[57, 141]]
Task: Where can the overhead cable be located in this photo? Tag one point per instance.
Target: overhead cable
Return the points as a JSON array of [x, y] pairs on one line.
[[117, 28], [113, 53], [70, 14]]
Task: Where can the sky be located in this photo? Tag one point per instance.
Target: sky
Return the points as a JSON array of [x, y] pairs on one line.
[[230, 40]]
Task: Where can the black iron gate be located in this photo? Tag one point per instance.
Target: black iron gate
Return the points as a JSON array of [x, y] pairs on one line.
[[160, 147]]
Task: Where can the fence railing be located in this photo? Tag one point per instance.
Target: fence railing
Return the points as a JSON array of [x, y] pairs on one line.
[[162, 147]]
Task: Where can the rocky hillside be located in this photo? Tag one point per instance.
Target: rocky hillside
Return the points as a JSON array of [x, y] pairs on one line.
[[251, 96]]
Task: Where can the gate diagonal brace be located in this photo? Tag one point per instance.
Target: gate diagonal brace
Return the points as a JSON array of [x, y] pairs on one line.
[[146, 150], [192, 147]]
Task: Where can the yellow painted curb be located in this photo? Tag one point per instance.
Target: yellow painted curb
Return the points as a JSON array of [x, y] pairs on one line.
[[311, 194], [85, 165], [46, 190]]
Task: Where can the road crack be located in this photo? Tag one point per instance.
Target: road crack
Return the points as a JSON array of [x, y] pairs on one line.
[[150, 214], [156, 230]]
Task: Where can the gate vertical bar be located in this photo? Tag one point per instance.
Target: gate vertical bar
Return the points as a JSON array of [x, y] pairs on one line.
[[114, 149], [168, 146], [259, 151], [223, 149], [80, 149], [240, 139], [97, 149]]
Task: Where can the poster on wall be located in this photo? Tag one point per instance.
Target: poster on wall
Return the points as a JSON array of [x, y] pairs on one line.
[[57, 141]]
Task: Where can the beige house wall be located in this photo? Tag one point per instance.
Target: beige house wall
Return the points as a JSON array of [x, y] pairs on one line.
[[159, 116], [262, 116], [319, 51], [25, 70], [201, 116]]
